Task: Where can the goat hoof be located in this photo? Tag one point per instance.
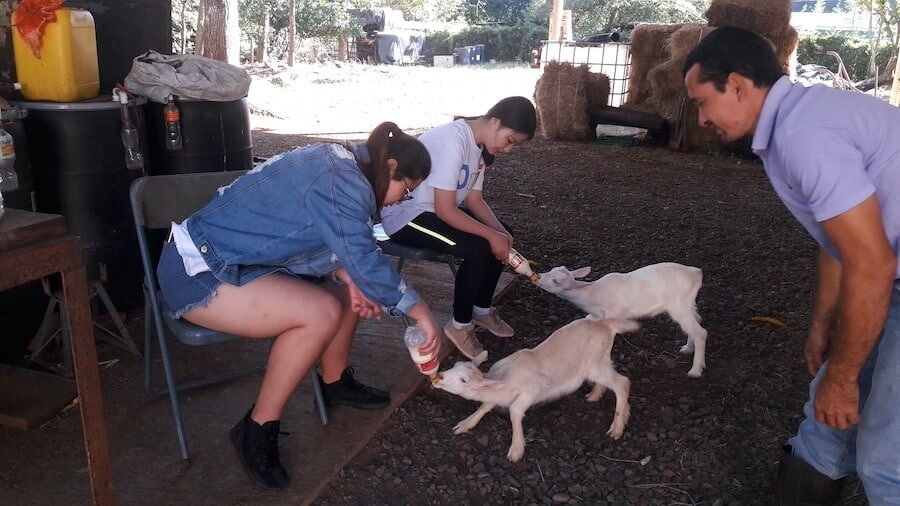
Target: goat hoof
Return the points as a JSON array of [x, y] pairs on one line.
[[695, 373], [515, 454], [615, 433], [686, 349], [461, 429]]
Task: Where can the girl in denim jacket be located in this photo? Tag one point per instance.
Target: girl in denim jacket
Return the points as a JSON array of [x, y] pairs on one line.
[[287, 250]]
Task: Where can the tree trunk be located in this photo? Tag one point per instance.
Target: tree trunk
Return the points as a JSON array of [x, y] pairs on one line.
[[292, 29], [211, 34], [343, 52], [883, 77], [232, 32], [183, 48], [262, 45]]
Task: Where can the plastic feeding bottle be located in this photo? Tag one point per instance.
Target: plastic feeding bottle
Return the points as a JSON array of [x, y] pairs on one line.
[[9, 180], [172, 117], [518, 263], [414, 337]]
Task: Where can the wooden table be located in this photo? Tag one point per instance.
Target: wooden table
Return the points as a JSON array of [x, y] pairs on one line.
[[34, 245]]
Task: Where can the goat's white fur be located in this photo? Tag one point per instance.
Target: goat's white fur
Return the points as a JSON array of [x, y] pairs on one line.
[[655, 289], [573, 354]]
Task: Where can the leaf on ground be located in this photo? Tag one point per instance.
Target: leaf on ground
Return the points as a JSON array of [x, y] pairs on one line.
[[767, 319]]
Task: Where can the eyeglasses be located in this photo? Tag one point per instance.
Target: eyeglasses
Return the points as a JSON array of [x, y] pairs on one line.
[[408, 195]]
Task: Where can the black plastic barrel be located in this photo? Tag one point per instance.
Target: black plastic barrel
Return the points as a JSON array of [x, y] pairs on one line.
[[22, 307], [78, 165], [464, 55], [479, 54], [216, 137]]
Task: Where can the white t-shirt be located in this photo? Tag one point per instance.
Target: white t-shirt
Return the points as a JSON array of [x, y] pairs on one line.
[[456, 164]]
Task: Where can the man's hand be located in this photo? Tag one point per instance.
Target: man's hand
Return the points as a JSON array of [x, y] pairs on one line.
[[816, 350], [837, 402]]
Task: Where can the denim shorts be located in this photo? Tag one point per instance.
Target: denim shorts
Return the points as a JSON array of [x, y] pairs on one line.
[[181, 292]]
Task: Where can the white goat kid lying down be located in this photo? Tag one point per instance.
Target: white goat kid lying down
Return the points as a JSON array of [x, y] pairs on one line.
[[575, 353], [649, 291]]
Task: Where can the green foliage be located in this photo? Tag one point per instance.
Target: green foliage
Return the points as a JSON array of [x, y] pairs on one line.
[[853, 51], [496, 11], [601, 16], [502, 43]]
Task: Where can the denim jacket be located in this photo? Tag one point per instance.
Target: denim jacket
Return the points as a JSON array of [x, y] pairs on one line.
[[308, 211]]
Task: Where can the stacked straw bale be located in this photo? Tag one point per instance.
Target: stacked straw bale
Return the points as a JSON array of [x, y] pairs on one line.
[[646, 43], [562, 103], [769, 18], [597, 90], [668, 96]]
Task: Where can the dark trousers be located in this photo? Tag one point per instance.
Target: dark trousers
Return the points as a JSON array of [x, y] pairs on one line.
[[478, 272]]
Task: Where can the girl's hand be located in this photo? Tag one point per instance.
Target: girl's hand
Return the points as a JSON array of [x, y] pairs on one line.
[[433, 335], [500, 245], [359, 304]]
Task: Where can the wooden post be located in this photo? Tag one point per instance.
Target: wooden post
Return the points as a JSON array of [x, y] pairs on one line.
[[895, 89], [556, 15]]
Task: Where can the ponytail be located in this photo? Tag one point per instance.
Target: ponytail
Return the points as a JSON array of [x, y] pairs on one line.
[[386, 142]]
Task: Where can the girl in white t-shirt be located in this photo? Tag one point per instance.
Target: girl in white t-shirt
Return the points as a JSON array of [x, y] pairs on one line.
[[448, 213]]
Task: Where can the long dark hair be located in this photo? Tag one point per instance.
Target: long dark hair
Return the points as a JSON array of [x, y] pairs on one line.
[[516, 113], [385, 142]]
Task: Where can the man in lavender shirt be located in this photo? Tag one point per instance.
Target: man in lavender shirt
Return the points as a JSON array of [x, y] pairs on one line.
[[833, 158]]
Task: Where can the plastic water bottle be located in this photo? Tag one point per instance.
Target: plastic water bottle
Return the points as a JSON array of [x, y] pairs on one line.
[[9, 179], [172, 117], [518, 263], [414, 337], [131, 140]]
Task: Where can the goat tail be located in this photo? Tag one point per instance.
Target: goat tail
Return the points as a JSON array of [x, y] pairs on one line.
[[623, 326]]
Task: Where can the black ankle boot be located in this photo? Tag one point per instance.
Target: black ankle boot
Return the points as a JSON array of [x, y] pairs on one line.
[[257, 448], [799, 484], [352, 393]]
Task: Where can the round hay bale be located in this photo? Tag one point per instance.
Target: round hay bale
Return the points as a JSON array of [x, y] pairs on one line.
[[666, 82], [785, 42], [759, 14], [751, 18], [562, 101], [597, 89], [646, 41]]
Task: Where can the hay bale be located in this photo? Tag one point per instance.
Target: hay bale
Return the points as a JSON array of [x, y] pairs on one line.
[[561, 97], [646, 41], [785, 42], [756, 15], [597, 89], [666, 82]]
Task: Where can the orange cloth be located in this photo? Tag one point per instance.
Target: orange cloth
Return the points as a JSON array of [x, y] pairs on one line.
[[30, 17]]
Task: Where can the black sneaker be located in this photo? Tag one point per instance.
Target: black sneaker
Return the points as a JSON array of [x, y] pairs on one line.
[[256, 447], [352, 393]]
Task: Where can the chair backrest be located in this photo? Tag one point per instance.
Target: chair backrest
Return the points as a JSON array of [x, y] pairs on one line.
[[157, 201]]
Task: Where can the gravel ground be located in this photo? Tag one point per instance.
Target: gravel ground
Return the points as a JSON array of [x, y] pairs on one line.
[[712, 440]]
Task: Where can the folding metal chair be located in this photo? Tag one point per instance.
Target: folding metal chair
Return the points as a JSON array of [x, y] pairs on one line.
[[403, 252], [156, 202]]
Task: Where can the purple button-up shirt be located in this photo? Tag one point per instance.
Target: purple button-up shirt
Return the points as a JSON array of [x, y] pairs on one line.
[[825, 151]]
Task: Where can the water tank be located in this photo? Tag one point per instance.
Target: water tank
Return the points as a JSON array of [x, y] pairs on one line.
[[78, 165], [216, 137]]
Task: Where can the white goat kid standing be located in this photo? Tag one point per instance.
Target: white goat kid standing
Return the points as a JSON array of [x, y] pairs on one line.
[[573, 354], [649, 291]]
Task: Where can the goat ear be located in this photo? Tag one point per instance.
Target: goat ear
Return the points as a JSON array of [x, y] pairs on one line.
[[580, 273], [487, 384], [480, 358]]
